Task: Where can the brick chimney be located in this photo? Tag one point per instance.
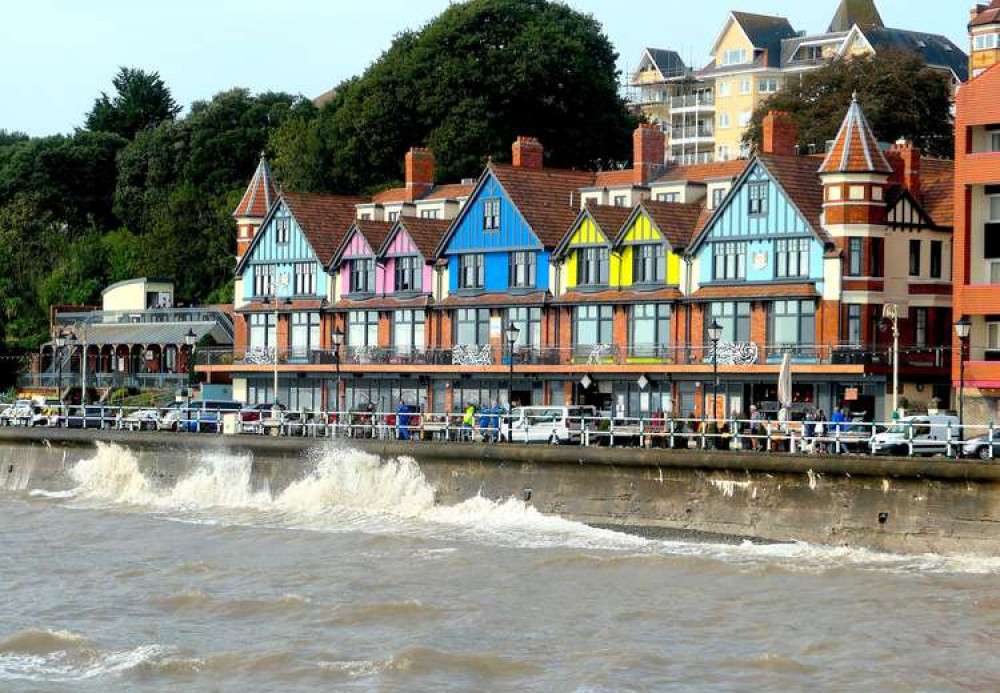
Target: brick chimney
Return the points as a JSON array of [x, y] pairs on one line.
[[781, 134], [419, 173], [528, 153], [905, 161], [649, 151]]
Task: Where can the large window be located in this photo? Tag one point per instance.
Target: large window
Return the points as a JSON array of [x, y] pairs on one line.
[[263, 278], [854, 253], [522, 270], [649, 264], [592, 325], [409, 274], [729, 260], [305, 278], [305, 334], [757, 200], [734, 317], [529, 322], [408, 330], [472, 326], [854, 324], [914, 258], [736, 56], [792, 257], [650, 324], [985, 42], [937, 253], [877, 246], [262, 331], [470, 271], [491, 215], [920, 327], [793, 324], [363, 276], [592, 266], [362, 328]]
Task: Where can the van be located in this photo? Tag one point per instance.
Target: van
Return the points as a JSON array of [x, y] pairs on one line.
[[928, 435], [556, 425]]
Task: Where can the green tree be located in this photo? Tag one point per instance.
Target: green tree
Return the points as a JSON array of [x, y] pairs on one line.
[[901, 96], [467, 84], [141, 100]]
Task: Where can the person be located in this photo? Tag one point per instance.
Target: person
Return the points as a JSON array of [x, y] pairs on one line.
[[484, 423], [755, 421], [839, 419], [809, 426], [820, 431], [402, 421], [495, 419], [469, 422]]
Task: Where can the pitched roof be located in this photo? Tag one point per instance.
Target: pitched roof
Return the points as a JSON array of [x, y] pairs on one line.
[[766, 33], [704, 172], [324, 219], [450, 191], [544, 196], [855, 150], [534, 298], [616, 178], [937, 190], [798, 177], [374, 232], [668, 62], [935, 49], [425, 234], [863, 13], [389, 196], [260, 194], [990, 15], [675, 221], [707, 293]]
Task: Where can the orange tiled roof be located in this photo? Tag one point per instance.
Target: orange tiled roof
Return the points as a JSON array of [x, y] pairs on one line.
[[449, 191], [545, 197], [676, 221], [324, 219], [937, 189], [618, 296], [535, 298], [707, 293], [389, 196], [260, 194], [702, 172], [425, 233], [615, 178], [798, 175], [855, 150], [375, 232], [609, 219], [991, 15]]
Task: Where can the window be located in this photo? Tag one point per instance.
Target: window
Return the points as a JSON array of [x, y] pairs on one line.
[[723, 120], [649, 264], [856, 192], [877, 246], [723, 152], [263, 278], [362, 328], [362, 276], [877, 193], [811, 53], [620, 200], [757, 201], [472, 326], [937, 267], [792, 257], [592, 266], [366, 216], [650, 324], [305, 278], [529, 325], [914, 258], [994, 210], [734, 317], [430, 213], [745, 86], [994, 141], [304, 334], [985, 42], [718, 195], [993, 271], [737, 56], [523, 272], [920, 327], [725, 89], [854, 251], [729, 261], [282, 227], [408, 330], [834, 193], [409, 274], [767, 86], [593, 325], [262, 331], [668, 197], [854, 324], [793, 323], [745, 118], [491, 215], [993, 336], [470, 271]]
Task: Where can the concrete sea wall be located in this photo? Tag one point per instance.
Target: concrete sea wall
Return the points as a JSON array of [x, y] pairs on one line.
[[899, 505]]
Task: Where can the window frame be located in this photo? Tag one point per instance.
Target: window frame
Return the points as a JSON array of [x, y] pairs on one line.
[[491, 214], [758, 193], [915, 257], [361, 322], [920, 318], [792, 254], [282, 230], [593, 266], [411, 323], [802, 312], [472, 265], [408, 267], [855, 256], [854, 324], [602, 318], [475, 319], [304, 278], [937, 260], [523, 273], [362, 275], [649, 258], [733, 316], [661, 318], [731, 258]]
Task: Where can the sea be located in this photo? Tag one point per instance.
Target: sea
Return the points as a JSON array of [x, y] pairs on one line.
[[354, 579]]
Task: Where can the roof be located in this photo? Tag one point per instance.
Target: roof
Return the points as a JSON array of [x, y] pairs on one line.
[[154, 333], [703, 172], [675, 221], [863, 13], [708, 293], [937, 190], [936, 50], [855, 150], [789, 47], [608, 219], [449, 191], [260, 194], [136, 281], [325, 98], [375, 234], [535, 298], [798, 177], [425, 234], [668, 62], [389, 196], [324, 219], [544, 196], [766, 33], [383, 303], [619, 296], [616, 178], [990, 15]]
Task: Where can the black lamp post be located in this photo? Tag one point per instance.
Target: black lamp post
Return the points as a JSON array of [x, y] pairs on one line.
[[715, 334], [963, 328], [60, 342], [338, 340], [71, 343], [512, 334], [191, 340]]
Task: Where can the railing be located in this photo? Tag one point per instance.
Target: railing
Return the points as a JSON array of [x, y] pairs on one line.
[[693, 101], [690, 133], [153, 315], [142, 381]]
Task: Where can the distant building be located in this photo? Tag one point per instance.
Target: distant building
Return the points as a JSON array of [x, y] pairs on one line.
[[984, 37]]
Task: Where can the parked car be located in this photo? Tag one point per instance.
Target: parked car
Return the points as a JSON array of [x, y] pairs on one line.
[[928, 435], [199, 415], [251, 417], [17, 414], [980, 447], [142, 420], [92, 416], [555, 425]]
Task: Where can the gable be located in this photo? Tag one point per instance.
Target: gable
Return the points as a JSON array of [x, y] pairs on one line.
[[401, 244], [467, 234], [356, 246], [267, 250], [641, 230], [906, 213], [586, 234]]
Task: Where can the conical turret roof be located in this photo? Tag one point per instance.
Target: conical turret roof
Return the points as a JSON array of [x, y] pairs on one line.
[[260, 194], [855, 150]]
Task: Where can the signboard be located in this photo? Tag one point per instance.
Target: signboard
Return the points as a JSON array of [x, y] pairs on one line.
[[851, 394]]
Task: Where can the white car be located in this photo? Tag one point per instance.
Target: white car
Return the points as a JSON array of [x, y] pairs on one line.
[[556, 425], [142, 420]]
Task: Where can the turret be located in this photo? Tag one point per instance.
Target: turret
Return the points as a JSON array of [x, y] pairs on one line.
[[254, 206]]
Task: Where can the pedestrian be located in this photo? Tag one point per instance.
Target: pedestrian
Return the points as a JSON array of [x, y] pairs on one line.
[[755, 425], [402, 421], [495, 419], [484, 423], [469, 422]]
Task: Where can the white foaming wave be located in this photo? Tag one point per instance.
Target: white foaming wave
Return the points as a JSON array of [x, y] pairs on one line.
[[113, 475], [62, 656]]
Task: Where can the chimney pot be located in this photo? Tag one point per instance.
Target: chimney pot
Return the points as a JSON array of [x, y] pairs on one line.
[[528, 152], [905, 160], [649, 151]]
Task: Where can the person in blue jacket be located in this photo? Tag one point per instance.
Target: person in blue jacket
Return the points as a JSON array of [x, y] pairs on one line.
[[402, 421], [484, 423], [495, 420]]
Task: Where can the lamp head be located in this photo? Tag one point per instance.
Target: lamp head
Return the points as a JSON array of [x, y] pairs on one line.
[[715, 331], [512, 333], [338, 337], [963, 328], [190, 338]]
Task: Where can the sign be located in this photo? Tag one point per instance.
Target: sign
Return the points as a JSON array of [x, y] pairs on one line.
[[760, 261], [851, 394], [586, 382], [642, 382]]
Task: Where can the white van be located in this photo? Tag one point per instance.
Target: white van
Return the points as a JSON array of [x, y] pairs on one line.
[[555, 425], [928, 435]]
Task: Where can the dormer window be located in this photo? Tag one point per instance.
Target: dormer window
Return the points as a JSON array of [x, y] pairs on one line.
[[985, 42], [429, 213], [737, 56], [408, 274], [592, 266], [282, 230], [757, 200], [491, 215], [363, 276], [649, 264], [393, 216], [668, 197]]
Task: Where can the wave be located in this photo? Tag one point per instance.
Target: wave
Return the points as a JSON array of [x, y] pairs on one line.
[[62, 656]]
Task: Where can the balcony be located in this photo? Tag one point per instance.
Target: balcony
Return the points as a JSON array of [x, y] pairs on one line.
[[692, 102], [691, 135], [145, 317], [103, 381]]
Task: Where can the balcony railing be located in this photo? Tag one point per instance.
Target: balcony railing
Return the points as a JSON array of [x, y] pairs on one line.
[[132, 317], [693, 101], [692, 132], [101, 381]]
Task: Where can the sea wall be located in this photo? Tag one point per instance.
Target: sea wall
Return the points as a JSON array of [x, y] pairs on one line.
[[900, 505]]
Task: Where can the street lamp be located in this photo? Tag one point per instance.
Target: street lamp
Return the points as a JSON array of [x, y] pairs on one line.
[[963, 328], [338, 341], [71, 343], [512, 334], [715, 334], [60, 342], [191, 339]]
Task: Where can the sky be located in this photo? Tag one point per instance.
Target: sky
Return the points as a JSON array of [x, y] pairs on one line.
[[57, 56]]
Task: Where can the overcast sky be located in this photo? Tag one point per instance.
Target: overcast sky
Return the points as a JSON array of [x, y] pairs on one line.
[[56, 56]]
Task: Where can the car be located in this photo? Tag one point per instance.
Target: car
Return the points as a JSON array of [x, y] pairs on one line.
[[185, 416], [925, 435], [253, 416], [980, 447], [92, 416], [142, 420], [557, 425]]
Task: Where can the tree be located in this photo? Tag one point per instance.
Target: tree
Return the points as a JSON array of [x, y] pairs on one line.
[[902, 98], [141, 101], [467, 84]]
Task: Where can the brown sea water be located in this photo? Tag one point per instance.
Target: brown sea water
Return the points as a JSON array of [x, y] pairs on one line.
[[353, 579]]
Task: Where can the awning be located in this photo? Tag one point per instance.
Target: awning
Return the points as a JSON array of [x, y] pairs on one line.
[[149, 333]]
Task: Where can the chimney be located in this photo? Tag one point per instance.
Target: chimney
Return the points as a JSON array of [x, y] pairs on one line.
[[781, 134], [648, 153], [419, 173], [905, 161], [528, 153]]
